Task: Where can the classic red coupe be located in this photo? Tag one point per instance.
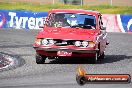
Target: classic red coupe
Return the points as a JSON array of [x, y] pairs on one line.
[[71, 33]]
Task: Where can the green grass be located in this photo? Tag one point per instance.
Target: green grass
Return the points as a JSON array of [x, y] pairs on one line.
[[46, 7]]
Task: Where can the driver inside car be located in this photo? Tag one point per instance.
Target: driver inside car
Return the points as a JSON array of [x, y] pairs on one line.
[[60, 20]]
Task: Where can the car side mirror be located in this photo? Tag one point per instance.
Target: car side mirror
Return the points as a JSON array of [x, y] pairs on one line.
[[41, 26], [103, 28], [45, 21]]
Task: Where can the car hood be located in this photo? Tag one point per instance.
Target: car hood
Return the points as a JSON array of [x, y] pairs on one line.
[[68, 34]]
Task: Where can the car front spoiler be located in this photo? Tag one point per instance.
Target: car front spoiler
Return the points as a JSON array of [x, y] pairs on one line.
[[67, 50]]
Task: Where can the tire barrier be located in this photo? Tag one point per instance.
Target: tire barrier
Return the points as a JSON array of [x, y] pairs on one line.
[[5, 61], [8, 62], [32, 20]]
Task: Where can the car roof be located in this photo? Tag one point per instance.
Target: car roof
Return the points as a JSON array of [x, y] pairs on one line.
[[81, 11]]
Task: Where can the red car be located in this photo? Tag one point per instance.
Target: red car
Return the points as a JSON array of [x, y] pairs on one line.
[[71, 33]]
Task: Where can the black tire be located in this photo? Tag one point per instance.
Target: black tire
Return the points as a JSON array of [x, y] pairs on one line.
[[40, 59], [94, 59], [101, 57]]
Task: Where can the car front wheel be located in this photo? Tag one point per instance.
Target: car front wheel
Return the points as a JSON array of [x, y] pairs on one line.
[[102, 56], [40, 59], [94, 59]]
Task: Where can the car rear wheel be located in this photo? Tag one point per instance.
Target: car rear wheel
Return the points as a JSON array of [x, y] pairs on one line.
[[40, 59]]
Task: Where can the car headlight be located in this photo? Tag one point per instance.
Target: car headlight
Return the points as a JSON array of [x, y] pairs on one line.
[[47, 42], [77, 43], [91, 44], [85, 43]]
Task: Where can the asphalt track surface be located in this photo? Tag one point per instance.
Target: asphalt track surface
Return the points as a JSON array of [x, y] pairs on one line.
[[19, 43]]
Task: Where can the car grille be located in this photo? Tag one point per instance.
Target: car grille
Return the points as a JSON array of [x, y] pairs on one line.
[[59, 42]]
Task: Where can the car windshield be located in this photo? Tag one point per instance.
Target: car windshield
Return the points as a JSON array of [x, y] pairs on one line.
[[72, 20]]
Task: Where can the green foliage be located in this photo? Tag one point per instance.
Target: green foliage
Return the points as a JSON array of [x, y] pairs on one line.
[[46, 7]]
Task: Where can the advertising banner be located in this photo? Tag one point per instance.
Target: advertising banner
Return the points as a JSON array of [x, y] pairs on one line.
[[110, 22], [117, 22], [21, 19], [32, 20], [125, 23]]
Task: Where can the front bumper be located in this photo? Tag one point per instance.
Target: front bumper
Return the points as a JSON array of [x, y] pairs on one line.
[[67, 50]]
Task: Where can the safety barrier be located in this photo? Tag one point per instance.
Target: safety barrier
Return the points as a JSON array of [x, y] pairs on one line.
[[32, 20], [117, 22]]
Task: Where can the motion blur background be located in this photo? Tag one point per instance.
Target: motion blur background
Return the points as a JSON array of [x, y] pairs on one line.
[[77, 2]]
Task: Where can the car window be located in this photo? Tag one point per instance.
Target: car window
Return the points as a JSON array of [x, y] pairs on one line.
[[100, 22], [72, 20]]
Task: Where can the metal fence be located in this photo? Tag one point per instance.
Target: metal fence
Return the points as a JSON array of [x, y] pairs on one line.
[[78, 2], [98, 2]]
